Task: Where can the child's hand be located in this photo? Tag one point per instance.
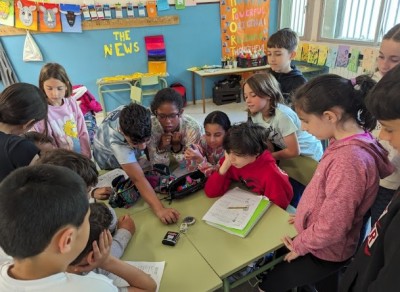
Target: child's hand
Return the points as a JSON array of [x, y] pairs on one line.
[[289, 245], [193, 154], [176, 138], [102, 193], [167, 215], [165, 140], [99, 255], [291, 218], [225, 165], [126, 222]]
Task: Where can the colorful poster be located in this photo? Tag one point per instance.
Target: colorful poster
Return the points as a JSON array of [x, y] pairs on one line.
[[323, 54], [244, 26], [304, 52], [26, 14], [162, 5], [71, 19], [353, 61], [369, 60], [313, 54], [332, 55], [7, 12], [342, 56], [49, 17], [151, 8]]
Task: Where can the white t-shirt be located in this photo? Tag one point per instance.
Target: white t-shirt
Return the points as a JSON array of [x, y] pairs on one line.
[[286, 122], [61, 282]]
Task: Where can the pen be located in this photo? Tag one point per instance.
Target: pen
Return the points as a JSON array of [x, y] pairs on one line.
[[239, 207]]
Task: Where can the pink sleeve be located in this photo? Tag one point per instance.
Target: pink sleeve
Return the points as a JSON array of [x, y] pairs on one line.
[[82, 130], [345, 189]]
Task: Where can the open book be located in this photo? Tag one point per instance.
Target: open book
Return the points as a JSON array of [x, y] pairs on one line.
[[237, 211], [154, 269]]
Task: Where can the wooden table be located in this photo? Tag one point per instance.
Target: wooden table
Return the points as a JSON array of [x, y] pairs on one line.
[[217, 72]]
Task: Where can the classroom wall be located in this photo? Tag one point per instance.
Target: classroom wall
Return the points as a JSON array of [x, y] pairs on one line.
[[195, 41]]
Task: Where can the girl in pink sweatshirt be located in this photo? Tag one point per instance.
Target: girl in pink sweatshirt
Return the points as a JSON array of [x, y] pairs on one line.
[[330, 213], [66, 124]]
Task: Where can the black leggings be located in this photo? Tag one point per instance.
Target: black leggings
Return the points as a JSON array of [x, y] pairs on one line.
[[302, 271]]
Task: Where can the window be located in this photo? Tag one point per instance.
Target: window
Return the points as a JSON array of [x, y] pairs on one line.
[[293, 15], [362, 21]]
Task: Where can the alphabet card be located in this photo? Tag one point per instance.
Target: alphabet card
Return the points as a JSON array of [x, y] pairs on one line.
[[26, 15], [71, 18], [7, 12], [49, 17]]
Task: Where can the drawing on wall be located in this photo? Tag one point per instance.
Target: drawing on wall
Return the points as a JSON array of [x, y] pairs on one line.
[[71, 18], [49, 17], [180, 4], [151, 8], [304, 52], [353, 61], [369, 60], [162, 5], [313, 54], [342, 56], [156, 54], [26, 15], [323, 54], [7, 12], [332, 54]]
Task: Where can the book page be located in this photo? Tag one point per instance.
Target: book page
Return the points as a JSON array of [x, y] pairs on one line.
[[154, 269], [234, 209], [106, 179]]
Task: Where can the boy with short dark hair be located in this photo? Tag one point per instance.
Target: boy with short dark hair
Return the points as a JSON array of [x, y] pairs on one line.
[[375, 266], [43, 142], [121, 141], [110, 266], [44, 225], [281, 50]]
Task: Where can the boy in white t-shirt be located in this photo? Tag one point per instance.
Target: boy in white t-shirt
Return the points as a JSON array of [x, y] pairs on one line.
[[44, 225]]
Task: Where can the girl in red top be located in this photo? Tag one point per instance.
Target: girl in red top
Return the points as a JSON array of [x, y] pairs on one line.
[[247, 160]]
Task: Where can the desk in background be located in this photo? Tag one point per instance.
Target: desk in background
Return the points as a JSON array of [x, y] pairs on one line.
[[217, 72]]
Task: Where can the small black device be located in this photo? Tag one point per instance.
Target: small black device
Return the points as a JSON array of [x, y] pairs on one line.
[[171, 238]]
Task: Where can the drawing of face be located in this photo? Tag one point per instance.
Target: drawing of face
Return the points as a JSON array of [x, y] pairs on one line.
[[49, 16], [25, 13]]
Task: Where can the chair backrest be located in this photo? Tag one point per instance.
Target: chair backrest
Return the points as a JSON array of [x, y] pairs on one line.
[[136, 94], [300, 168]]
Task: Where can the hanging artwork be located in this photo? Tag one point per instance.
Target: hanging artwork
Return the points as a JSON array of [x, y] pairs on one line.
[[7, 12], [244, 26], [71, 18], [151, 8], [156, 54], [332, 55], [343, 56], [353, 61], [49, 17], [322, 55], [26, 15]]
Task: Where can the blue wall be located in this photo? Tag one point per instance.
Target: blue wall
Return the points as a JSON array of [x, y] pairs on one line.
[[195, 41]]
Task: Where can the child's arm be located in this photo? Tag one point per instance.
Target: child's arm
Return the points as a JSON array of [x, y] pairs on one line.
[[292, 148], [137, 279], [135, 173], [218, 183], [83, 134], [278, 189], [121, 238]]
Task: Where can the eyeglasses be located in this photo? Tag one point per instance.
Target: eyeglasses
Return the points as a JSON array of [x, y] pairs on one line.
[[170, 116]]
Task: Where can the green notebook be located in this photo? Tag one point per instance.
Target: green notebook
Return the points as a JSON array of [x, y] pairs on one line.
[[227, 209]]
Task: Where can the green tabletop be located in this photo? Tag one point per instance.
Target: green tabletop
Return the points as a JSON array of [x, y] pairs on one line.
[[185, 268], [227, 253]]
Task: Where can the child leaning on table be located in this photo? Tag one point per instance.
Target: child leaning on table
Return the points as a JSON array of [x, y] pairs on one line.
[[206, 155], [248, 161], [330, 213], [96, 255], [85, 168], [50, 230]]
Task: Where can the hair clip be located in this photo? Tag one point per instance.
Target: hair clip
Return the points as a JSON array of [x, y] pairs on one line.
[[353, 81]]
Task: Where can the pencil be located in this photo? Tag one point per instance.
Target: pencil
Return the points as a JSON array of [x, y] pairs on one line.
[[239, 207]]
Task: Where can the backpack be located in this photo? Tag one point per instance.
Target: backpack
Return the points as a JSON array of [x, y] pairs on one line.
[[181, 90]]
